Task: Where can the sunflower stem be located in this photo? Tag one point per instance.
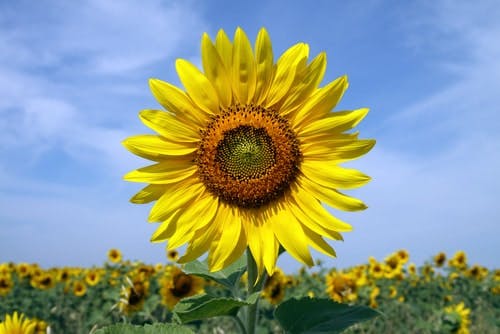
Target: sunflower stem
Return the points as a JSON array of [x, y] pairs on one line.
[[252, 287]]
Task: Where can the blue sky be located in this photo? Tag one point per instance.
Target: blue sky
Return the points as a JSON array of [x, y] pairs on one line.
[[73, 77]]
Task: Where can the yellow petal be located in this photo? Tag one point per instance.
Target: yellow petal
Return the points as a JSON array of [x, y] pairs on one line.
[[148, 194], [193, 218], [317, 213], [317, 242], [333, 176], [255, 242], [290, 235], [303, 89], [215, 71], [270, 248], [336, 122], [198, 86], [163, 173], [305, 219], [177, 196], [321, 102], [156, 148], [243, 69], [264, 62], [331, 196], [166, 229], [337, 150], [169, 126], [201, 241], [285, 72], [232, 242], [225, 49], [176, 101]]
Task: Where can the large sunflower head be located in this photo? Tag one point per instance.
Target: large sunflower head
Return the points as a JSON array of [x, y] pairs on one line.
[[17, 324], [245, 154]]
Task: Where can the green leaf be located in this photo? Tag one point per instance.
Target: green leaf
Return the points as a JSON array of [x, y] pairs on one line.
[[228, 276], [206, 306], [308, 315], [157, 328]]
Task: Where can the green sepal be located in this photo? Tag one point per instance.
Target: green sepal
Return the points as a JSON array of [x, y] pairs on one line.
[[310, 315], [205, 306], [228, 277], [157, 328]]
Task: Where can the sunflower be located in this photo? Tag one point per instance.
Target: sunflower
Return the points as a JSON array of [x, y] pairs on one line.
[[133, 295], [275, 287], [439, 259], [92, 277], [44, 280], [114, 255], [245, 156], [79, 288], [175, 285], [459, 260], [341, 287], [17, 324], [6, 284], [172, 255], [458, 317]]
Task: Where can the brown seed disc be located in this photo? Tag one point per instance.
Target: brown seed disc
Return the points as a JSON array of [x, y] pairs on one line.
[[248, 156]]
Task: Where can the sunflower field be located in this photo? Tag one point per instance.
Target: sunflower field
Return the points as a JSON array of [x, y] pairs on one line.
[[442, 296]]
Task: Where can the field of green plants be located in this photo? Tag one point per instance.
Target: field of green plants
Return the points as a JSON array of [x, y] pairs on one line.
[[442, 296]]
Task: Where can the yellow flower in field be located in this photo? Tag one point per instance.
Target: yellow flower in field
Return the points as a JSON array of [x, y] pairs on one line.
[[63, 274], [373, 296], [403, 256], [439, 259], [133, 295], [459, 260], [275, 286], [175, 285], [44, 280], [341, 287], [92, 277], [427, 272], [6, 284], [245, 156], [376, 270], [412, 269], [477, 272], [79, 288], [114, 255], [41, 327], [393, 291], [458, 317], [17, 324], [23, 269], [172, 255], [496, 275]]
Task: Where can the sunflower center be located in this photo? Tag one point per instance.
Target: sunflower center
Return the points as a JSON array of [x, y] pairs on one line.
[[248, 156], [246, 152], [182, 285]]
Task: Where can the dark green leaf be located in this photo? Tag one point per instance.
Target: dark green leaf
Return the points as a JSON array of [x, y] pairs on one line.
[[205, 306], [307, 315], [157, 328], [228, 276]]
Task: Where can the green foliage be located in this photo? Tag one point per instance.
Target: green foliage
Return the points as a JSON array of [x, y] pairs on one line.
[[146, 329], [417, 306], [205, 306], [308, 315], [228, 277]]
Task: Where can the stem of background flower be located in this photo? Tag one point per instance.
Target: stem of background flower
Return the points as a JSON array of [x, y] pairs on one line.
[[252, 287]]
